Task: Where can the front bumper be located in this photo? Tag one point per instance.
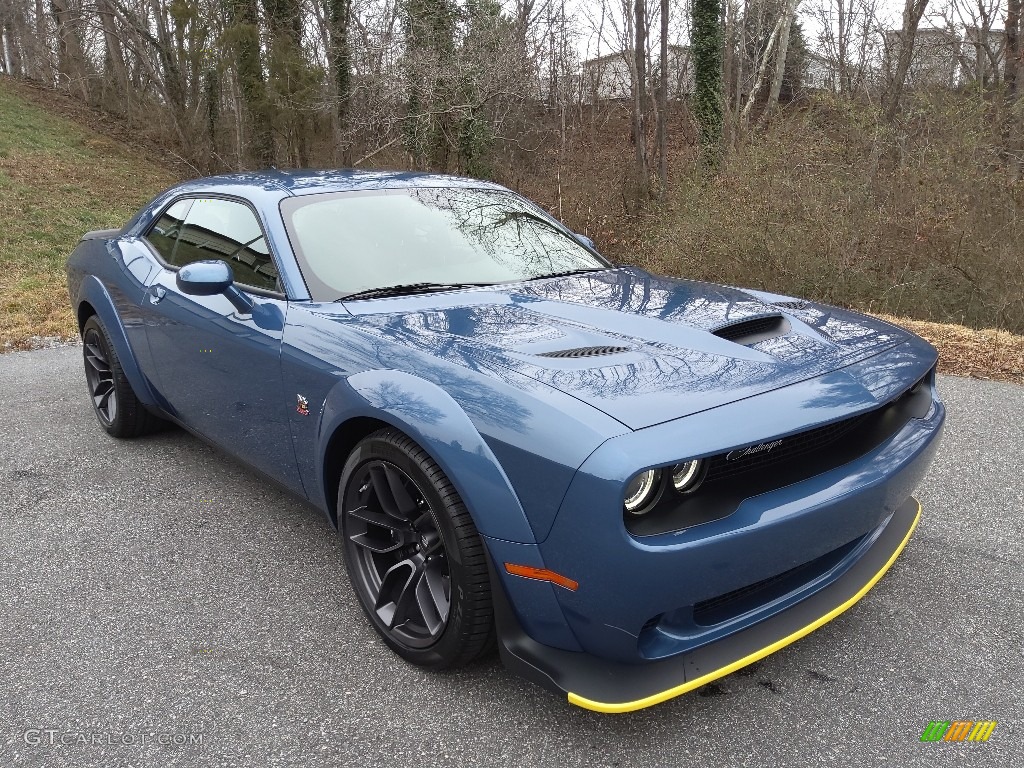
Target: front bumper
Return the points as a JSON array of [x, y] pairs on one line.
[[609, 686]]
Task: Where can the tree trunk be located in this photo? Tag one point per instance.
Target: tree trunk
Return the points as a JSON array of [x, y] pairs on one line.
[[788, 12], [114, 53], [167, 52], [71, 60], [842, 46], [729, 53], [912, 13], [741, 56], [43, 67], [707, 71], [1012, 48], [12, 58], [339, 15], [250, 79], [755, 87], [211, 93], [640, 96], [663, 101]]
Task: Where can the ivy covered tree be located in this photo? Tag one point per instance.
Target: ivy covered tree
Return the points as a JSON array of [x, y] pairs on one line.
[[707, 70], [339, 15], [429, 51]]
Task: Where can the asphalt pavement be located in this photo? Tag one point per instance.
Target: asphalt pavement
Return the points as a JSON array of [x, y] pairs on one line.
[[155, 591]]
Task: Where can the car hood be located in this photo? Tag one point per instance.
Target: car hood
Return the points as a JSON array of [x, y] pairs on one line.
[[643, 349]]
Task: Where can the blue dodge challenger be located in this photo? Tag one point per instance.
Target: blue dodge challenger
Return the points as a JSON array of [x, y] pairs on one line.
[[631, 484]]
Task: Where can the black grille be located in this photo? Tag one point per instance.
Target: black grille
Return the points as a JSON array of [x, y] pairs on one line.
[[584, 352], [721, 608], [755, 469], [755, 329], [739, 601], [768, 453], [791, 304]]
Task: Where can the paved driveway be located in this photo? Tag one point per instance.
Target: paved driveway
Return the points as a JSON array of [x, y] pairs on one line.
[[153, 589]]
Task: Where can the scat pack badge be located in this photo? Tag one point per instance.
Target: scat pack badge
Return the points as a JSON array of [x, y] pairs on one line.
[[302, 405]]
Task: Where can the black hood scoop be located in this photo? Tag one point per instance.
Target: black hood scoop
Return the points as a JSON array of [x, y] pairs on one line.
[[754, 329]]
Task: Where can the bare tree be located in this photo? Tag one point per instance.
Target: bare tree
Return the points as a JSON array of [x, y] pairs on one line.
[[849, 31], [1013, 53], [913, 10], [71, 61], [762, 68], [786, 19], [640, 97], [663, 104]]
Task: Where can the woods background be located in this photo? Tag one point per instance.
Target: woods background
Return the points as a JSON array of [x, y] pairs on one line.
[[851, 151]]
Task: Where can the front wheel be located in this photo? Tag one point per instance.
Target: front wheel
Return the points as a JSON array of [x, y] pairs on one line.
[[113, 400], [413, 555]]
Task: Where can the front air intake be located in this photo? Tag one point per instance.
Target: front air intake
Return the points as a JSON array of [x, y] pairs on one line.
[[577, 352], [755, 329]]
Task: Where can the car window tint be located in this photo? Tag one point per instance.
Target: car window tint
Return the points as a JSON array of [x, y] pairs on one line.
[[164, 233], [223, 229]]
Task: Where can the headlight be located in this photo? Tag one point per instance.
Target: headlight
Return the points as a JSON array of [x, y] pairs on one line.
[[686, 476], [641, 490]]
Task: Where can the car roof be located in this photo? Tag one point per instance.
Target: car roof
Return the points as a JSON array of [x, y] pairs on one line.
[[306, 182]]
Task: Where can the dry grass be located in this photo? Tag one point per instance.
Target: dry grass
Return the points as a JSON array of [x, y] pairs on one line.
[[980, 354], [57, 181]]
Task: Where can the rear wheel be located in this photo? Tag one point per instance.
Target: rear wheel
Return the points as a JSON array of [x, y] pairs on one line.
[[413, 555], [113, 400]]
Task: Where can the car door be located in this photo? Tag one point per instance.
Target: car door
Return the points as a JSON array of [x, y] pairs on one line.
[[217, 366]]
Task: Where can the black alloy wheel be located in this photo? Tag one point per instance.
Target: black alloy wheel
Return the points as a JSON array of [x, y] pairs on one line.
[[413, 555], [99, 377], [113, 400]]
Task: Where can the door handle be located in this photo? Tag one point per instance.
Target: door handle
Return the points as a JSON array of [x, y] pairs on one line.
[[156, 294]]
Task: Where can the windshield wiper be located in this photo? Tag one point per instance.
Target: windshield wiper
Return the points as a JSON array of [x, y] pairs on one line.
[[405, 289], [569, 272]]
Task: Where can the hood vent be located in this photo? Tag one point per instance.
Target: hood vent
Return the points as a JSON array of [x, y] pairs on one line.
[[584, 352], [792, 304], [755, 329]]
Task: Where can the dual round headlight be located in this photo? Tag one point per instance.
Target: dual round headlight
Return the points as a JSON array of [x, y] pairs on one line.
[[643, 489], [686, 476]]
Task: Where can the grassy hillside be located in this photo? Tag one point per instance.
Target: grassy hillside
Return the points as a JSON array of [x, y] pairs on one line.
[[58, 179]]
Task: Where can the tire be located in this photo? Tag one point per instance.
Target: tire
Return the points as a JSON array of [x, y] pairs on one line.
[[117, 408], [413, 555]]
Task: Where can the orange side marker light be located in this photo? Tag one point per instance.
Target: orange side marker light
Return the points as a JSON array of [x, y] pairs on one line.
[[542, 574]]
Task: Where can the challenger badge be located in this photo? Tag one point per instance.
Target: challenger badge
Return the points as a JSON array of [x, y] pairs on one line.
[[759, 448]]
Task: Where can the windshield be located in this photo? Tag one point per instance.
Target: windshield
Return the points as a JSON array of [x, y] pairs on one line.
[[351, 242]]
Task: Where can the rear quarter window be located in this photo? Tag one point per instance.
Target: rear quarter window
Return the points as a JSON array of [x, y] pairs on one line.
[[164, 234]]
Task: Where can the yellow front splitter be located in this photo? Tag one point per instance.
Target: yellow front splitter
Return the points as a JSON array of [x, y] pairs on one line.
[[614, 688]]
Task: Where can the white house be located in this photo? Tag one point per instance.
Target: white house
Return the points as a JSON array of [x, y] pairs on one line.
[[610, 77]]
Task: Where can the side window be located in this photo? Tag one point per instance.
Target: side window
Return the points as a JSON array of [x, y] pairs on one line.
[[223, 229], [164, 233]]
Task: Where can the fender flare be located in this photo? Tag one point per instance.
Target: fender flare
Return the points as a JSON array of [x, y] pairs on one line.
[[94, 292], [431, 417]]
